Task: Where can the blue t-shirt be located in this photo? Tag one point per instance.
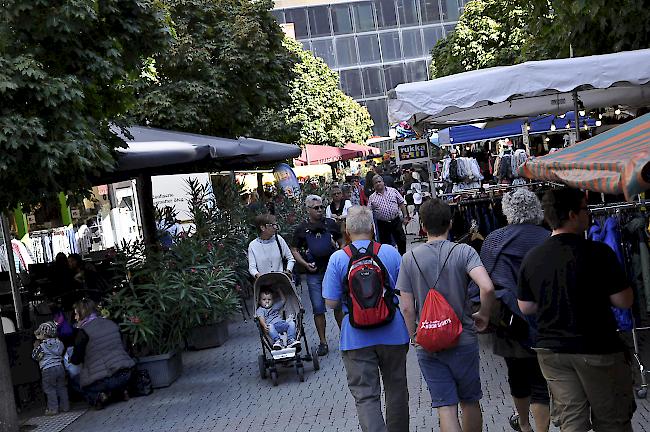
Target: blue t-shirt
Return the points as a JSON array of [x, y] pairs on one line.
[[394, 333]]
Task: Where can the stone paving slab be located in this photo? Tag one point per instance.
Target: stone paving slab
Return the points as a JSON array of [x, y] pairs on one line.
[[221, 391]]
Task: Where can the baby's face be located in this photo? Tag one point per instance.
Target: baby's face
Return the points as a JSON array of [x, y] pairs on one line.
[[266, 301]]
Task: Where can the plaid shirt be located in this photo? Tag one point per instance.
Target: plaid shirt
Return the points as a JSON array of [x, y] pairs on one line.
[[385, 206]]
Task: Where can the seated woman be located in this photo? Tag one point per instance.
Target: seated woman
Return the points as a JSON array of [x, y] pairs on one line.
[[105, 366]]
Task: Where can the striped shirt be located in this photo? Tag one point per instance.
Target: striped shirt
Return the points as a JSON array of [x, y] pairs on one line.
[[385, 206]]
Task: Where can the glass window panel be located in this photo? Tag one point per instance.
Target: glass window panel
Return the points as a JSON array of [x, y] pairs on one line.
[[279, 16], [373, 81], [368, 49], [416, 71], [408, 12], [319, 21], [325, 50], [341, 19], [412, 43], [351, 83], [430, 11], [431, 37], [346, 53], [386, 15], [378, 110], [394, 75], [390, 48], [306, 45], [449, 28], [450, 10], [299, 19], [364, 18]]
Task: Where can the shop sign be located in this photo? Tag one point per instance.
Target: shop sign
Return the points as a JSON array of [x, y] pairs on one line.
[[102, 189], [172, 191], [74, 213], [411, 151]]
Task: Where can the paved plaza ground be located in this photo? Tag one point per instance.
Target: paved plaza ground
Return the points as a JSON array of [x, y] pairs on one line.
[[221, 390]]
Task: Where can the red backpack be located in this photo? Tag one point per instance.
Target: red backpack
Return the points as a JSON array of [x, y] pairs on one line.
[[439, 327], [370, 298]]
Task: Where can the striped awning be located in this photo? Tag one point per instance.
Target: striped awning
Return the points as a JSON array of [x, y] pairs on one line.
[[616, 161]]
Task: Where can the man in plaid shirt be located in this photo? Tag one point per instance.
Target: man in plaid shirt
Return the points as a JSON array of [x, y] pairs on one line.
[[386, 204]]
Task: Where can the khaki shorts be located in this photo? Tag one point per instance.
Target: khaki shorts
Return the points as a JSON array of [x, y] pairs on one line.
[[590, 390]]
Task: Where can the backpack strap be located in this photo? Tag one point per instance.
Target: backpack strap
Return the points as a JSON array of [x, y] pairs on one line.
[[441, 268], [375, 247], [348, 250]]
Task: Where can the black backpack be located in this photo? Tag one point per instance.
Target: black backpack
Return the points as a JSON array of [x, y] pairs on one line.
[[369, 296]]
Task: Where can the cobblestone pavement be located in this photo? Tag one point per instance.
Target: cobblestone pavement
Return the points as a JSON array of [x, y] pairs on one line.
[[221, 390]]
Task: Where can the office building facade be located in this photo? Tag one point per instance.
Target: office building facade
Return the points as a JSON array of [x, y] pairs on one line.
[[374, 45]]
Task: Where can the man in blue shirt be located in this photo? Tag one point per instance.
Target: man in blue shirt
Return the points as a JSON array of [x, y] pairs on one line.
[[369, 352]]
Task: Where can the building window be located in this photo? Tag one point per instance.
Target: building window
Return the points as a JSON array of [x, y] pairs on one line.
[[450, 10], [394, 75], [364, 18], [430, 11], [431, 37], [299, 19], [386, 15], [351, 83], [416, 71], [378, 110], [346, 52], [412, 43], [368, 49], [341, 19], [390, 46], [279, 16], [324, 49], [373, 81], [305, 45], [319, 21], [407, 12]]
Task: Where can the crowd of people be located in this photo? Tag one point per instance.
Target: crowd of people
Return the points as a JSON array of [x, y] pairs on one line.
[[551, 291]]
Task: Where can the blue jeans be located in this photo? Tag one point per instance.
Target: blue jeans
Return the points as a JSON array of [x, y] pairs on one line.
[[114, 383], [452, 375], [315, 286], [282, 326]]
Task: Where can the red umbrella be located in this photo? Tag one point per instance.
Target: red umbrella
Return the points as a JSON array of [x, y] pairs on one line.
[[320, 154]]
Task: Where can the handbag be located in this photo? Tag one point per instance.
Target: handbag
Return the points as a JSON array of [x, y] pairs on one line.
[[285, 261], [439, 327]]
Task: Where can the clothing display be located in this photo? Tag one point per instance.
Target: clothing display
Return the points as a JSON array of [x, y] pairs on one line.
[[463, 172], [22, 256], [47, 244]]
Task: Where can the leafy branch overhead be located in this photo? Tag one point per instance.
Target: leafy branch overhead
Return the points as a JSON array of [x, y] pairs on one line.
[[318, 111], [66, 70]]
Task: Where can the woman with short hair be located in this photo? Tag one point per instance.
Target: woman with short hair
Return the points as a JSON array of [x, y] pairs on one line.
[[269, 251]]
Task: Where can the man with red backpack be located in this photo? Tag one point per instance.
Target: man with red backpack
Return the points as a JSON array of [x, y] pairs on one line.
[[374, 338], [435, 276]]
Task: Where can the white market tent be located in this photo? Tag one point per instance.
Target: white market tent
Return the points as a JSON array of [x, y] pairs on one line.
[[526, 89]]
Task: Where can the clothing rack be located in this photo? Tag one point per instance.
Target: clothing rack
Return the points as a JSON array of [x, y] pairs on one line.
[[642, 391]]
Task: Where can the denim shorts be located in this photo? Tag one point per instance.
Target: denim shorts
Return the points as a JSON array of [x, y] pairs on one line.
[[452, 375], [315, 286]]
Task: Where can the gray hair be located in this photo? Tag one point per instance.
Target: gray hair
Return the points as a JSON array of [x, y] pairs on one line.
[[359, 220], [522, 206], [311, 199], [377, 176]]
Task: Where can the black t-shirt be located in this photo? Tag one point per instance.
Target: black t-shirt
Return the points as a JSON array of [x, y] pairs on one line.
[[571, 279], [299, 240]]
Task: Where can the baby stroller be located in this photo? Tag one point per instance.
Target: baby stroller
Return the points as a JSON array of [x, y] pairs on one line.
[[270, 358]]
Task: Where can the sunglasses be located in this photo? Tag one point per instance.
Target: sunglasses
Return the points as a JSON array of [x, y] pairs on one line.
[[318, 207], [273, 225]]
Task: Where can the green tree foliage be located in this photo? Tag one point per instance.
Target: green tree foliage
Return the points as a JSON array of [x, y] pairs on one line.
[[589, 26], [318, 112], [489, 33], [66, 69], [226, 64]]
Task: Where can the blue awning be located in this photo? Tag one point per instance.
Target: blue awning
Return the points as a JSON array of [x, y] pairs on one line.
[[542, 124]]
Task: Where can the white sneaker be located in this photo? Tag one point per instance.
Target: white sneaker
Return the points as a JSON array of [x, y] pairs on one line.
[[293, 344], [277, 346]]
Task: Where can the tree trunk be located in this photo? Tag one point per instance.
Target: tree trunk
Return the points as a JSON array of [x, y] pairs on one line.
[[8, 415]]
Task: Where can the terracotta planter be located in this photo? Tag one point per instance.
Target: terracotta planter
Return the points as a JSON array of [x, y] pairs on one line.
[[208, 336], [163, 369]]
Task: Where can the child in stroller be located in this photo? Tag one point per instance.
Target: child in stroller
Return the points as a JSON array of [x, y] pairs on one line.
[[269, 314]]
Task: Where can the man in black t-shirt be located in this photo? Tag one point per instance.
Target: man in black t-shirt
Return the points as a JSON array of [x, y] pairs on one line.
[[570, 284], [314, 241]]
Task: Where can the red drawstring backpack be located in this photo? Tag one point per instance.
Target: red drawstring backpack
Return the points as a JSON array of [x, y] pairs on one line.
[[439, 327]]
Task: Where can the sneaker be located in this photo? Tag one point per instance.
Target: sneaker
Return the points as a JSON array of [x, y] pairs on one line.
[[323, 349], [49, 412], [277, 345], [293, 344]]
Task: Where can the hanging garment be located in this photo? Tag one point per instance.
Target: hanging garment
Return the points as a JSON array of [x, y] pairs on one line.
[[636, 228]]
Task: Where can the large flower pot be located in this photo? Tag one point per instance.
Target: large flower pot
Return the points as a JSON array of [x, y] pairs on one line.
[[208, 336], [163, 369]]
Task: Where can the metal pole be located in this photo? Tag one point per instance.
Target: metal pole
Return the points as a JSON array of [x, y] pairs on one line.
[[8, 414], [576, 114], [13, 277]]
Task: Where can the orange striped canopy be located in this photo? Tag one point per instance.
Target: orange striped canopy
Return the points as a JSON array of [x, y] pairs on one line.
[[615, 162]]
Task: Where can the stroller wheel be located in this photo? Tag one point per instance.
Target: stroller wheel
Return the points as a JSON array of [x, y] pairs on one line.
[[274, 377], [314, 359], [261, 361], [301, 373]]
